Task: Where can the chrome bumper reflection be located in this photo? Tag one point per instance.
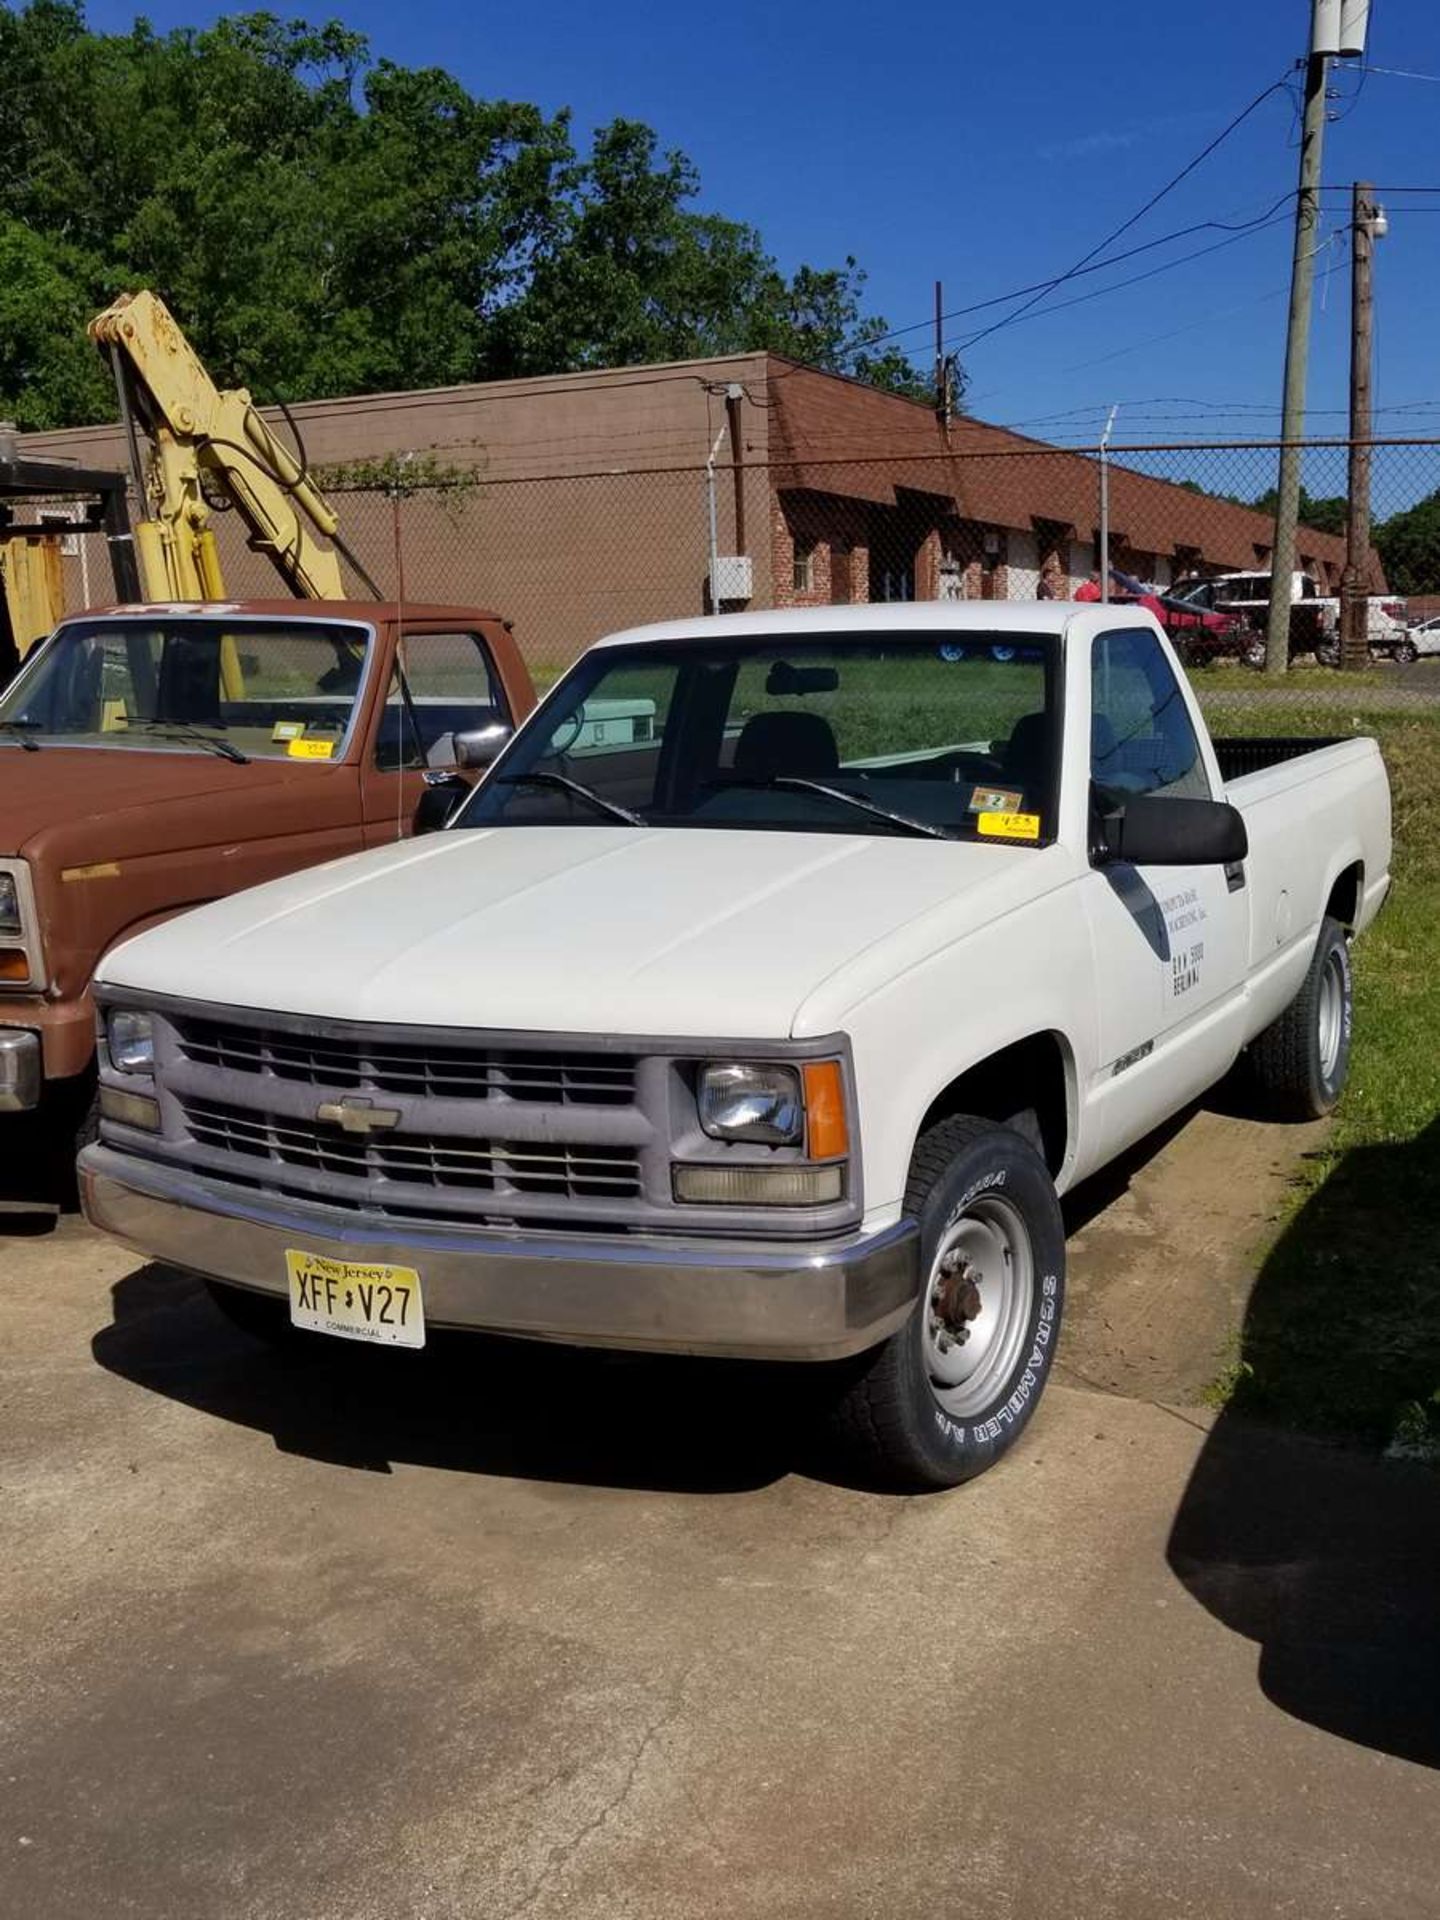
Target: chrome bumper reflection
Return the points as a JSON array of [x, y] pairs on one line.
[[752, 1299]]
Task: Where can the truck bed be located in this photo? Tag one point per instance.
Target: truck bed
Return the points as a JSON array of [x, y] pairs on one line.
[[1244, 755]]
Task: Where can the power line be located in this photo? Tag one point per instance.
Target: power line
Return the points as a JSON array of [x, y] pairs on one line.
[[1204, 320], [1114, 260], [1115, 286], [1125, 225], [1403, 73]]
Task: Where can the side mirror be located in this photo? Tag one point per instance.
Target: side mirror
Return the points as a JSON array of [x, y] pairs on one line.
[[438, 802], [1151, 831], [480, 748]]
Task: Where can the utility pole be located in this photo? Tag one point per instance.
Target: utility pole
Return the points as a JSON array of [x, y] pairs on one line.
[[942, 370], [1337, 27], [1297, 361], [1355, 583]]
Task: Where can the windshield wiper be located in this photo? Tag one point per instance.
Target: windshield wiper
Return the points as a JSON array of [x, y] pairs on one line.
[[566, 785], [178, 730], [794, 783], [20, 727]]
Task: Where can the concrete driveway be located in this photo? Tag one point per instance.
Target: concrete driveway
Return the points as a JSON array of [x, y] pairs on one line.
[[498, 1631]]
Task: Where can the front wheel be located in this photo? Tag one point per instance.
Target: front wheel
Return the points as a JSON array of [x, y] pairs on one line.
[[947, 1394], [1405, 653], [1253, 653], [1327, 652]]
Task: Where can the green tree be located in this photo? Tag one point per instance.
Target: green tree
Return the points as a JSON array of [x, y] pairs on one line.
[[322, 224], [630, 272], [1321, 515], [1409, 544]]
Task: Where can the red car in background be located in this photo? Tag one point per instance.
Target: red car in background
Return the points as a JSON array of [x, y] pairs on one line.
[[1197, 634]]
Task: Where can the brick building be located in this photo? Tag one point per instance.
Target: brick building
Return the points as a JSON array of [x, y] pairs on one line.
[[582, 502]]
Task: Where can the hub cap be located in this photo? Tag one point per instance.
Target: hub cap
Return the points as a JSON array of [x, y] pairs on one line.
[[978, 1306], [1331, 1019]]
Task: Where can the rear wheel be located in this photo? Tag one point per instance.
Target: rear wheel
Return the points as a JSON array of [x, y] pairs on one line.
[[947, 1394], [1301, 1061], [1253, 652]]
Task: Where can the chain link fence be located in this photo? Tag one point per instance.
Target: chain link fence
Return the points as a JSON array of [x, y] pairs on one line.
[[567, 556]]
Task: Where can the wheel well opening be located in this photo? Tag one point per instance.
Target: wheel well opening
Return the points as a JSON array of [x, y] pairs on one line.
[[1026, 1078], [1344, 902]]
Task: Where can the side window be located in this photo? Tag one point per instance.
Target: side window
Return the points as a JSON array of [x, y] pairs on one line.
[[443, 684], [1141, 737]]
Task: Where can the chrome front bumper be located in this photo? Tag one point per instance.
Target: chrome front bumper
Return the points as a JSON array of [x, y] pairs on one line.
[[748, 1299], [20, 1074]]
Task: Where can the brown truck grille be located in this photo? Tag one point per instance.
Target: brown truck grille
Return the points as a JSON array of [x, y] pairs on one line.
[[401, 1067], [478, 1166]]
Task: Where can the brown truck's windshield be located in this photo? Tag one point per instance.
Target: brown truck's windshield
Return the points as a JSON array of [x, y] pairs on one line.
[[253, 689], [948, 735]]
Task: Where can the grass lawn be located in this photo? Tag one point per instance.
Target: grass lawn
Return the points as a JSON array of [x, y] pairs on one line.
[[1343, 1331]]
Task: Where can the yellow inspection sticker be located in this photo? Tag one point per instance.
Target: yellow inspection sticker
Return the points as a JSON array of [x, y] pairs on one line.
[[311, 749], [1010, 826]]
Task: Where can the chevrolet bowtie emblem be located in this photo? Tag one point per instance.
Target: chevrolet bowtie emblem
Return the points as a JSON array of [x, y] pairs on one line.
[[358, 1116]]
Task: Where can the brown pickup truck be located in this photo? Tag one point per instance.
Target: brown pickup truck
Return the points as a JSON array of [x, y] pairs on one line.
[[156, 757]]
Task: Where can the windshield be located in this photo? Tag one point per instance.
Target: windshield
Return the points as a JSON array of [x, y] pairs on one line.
[[255, 689], [933, 734]]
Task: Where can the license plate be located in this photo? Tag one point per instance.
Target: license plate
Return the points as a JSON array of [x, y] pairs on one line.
[[356, 1300]]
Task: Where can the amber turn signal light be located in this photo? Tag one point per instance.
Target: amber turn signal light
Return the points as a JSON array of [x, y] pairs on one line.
[[14, 966], [827, 1135]]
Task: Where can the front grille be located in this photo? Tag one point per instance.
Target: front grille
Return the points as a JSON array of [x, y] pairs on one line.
[[428, 1070], [427, 1160]]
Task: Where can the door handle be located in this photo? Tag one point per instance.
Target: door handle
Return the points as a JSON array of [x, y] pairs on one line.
[[1235, 875]]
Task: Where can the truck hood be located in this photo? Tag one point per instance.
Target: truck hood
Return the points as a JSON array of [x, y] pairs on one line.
[[596, 929], [112, 798]]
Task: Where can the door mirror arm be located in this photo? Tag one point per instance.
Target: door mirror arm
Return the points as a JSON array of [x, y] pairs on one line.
[[440, 799]]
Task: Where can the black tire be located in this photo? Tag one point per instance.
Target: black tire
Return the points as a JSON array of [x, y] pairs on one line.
[[1301, 1061], [264, 1316], [1404, 653], [1252, 651], [911, 1416]]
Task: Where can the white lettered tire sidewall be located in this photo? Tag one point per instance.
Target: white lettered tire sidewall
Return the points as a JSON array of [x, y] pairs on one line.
[[925, 1444]]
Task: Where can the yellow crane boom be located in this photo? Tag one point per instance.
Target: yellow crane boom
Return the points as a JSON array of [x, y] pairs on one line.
[[208, 441]]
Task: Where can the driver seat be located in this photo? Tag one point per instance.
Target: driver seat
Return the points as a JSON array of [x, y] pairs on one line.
[[801, 745]]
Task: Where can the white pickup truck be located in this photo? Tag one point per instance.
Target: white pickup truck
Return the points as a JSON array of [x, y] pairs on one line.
[[767, 1018]]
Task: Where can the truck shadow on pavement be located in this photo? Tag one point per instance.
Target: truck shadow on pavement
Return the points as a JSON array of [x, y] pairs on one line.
[[467, 1403], [1329, 1557]]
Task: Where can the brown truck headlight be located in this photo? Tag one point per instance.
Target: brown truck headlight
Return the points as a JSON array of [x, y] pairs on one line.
[[10, 923]]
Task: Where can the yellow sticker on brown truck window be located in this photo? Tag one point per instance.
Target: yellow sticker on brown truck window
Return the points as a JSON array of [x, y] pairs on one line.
[[311, 749], [1010, 826]]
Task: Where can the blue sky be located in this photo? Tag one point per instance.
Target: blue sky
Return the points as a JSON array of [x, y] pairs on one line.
[[992, 146]]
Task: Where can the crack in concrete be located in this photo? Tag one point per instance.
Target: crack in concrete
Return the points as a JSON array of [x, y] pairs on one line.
[[563, 1852]]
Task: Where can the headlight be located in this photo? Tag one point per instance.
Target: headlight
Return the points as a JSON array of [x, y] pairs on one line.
[[9, 907], [752, 1102], [131, 1038]]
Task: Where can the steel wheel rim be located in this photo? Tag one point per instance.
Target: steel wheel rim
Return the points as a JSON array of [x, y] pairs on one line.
[[1331, 1012], [972, 1341]]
